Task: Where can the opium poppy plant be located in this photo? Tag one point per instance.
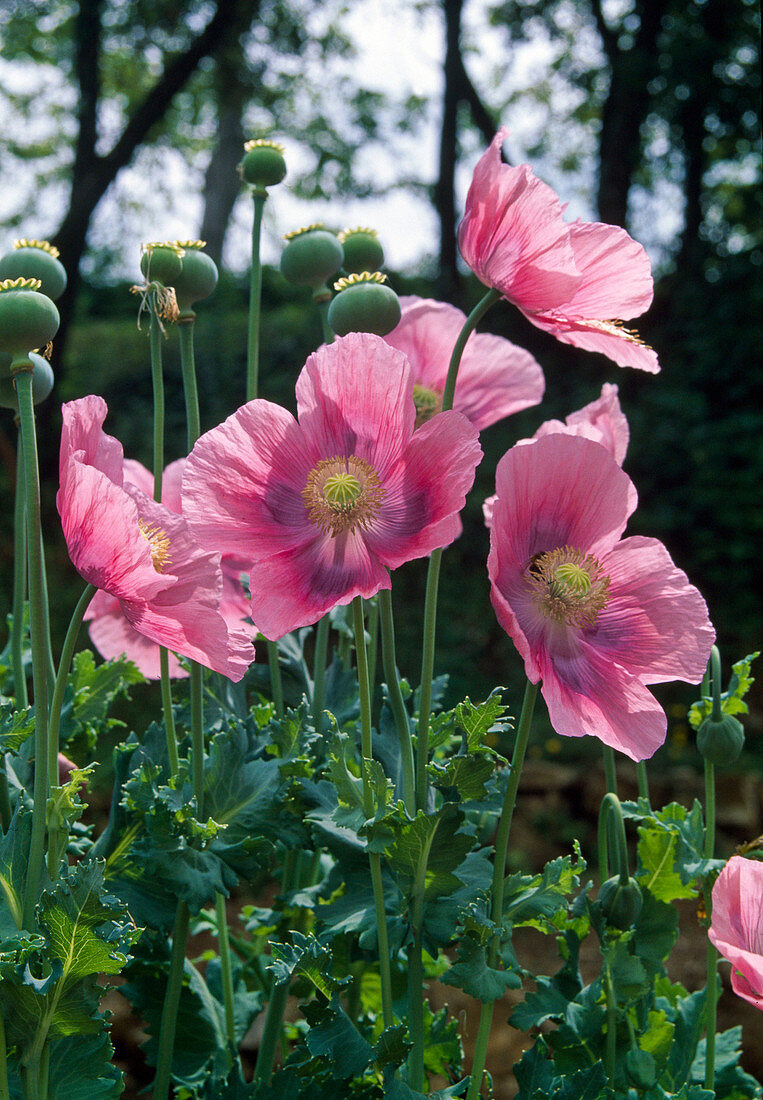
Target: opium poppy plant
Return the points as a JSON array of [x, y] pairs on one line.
[[322, 508]]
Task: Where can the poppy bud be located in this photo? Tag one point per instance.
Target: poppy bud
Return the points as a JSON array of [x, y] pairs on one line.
[[362, 250], [311, 256], [28, 319], [35, 260], [364, 304], [720, 740], [42, 383], [620, 902], [197, 278], [161, 262], [263, 164]]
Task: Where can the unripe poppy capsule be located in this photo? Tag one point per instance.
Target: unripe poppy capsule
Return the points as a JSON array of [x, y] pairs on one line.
[[311, 256], [198, 277], [364, 304], [28, 319], [720, 740], [35, 260], [161, 262], [263, 164], [362, 250], [42, 383]]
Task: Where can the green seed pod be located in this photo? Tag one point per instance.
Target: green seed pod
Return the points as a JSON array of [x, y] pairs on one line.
[[35, 260], [364, 304], [720, 740], [311, 256], [198, 277], [362, 250], [620, 902], [42, 383], [161, 262], [640, 1069], [28, 319], [263, 164]]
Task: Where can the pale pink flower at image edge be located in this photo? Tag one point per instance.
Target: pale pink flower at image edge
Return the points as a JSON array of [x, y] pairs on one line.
[[736, 927], [601, 420], [563, 503], [495, 378], [257, 485], [139, 552], [576, 280]]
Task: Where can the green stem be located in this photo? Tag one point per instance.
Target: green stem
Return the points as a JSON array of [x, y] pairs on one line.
[[427, 673], [169, 717], [711, 990], [51, 664], [276, 684], [23, 383], [226, 968], [397, 703], [19, 584], [197, 734], [57, 702], [610, 1051], [157, 379], [319, 670], [374, 859], [373, 634], [611, 808], [323, 301], [190, 389], [271, 1034], [255, 298], [643, 780], [470, 324], [171, 1003], [499, 875], [610, 768], [5, 1092], [416, 984]]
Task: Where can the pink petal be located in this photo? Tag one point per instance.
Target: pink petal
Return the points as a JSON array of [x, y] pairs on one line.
[[655, 624], [426, 335], [82, 431], [135, 473], [243, 483], [355, 397], [114, 636], [616, 273], [172, 481], [737, 925], [425, 491], [298, 587], [602, 421], [617, 343], [513, 236]]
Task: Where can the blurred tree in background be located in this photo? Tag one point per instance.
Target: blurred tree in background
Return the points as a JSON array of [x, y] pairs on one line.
[[649, 108]]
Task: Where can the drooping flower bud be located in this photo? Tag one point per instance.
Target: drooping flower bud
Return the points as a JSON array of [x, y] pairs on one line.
[[620, 902], [721, 739], [197, 278], [42, 382], [263, 164], [364, 304], [362, 250], [161, 262], [28, 319], [311, 256], [35, 260]]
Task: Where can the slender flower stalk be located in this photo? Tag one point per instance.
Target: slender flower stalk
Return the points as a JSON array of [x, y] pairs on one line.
[[374, 858], [711, 994], [23, 382], [226, 969], [319, 670], [610, 769], [255, 299], [171, 1002], [643, 780], [19, 582], [433, 575], [399, 713], [190, 388], [499, 876], [323, 301]]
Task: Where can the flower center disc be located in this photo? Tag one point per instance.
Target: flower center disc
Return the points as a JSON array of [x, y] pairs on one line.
[[342, 493], [569, 586], [158, 542], [427, 402]]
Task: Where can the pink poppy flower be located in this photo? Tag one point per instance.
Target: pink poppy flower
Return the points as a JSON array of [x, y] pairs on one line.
[[139, 552], [736, 928], [322, 508], [594, 617], [495, 378], [576, 280], [601, 420]]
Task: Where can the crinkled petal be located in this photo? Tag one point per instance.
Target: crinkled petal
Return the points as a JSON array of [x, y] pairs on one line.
[[243, 483], [113, 635], [737, 925], [425, 491], [616, 273], [426, 334], [513, 235], [135, 473], [355, 397], [616, 342], [655, 623], [101, 526], [82, 431], [605, 416], [298, 587]]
